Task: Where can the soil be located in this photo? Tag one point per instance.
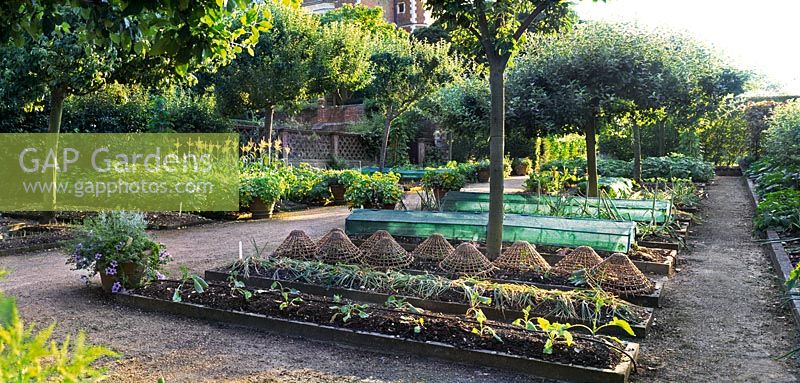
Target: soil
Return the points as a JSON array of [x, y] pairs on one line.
[[173, 220], [722, 320], [442, 328], [33, 237]]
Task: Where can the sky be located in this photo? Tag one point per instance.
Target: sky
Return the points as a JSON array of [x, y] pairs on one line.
[[757, 35]]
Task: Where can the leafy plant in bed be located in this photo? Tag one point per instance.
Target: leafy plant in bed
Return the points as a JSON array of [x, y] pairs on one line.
[[116, 246], [457, 331]]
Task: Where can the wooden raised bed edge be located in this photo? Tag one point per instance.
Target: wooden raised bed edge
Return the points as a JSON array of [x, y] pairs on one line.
[[777, 254], [660, 245], [383, 343], [640, 330]]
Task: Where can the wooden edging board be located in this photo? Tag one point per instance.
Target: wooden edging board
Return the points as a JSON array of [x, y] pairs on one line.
[[493, 313], [777, 255], [384, 343]]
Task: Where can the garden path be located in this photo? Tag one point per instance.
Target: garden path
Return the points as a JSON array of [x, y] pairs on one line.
[[721, 321]]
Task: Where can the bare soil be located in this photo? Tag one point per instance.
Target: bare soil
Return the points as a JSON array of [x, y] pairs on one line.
[[722, 321]]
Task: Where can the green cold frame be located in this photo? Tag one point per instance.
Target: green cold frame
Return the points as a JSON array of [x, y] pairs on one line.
[[644, 211], [615, 236]]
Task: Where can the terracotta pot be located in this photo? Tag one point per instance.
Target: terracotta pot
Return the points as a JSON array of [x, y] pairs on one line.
[[260, 209], [522, 170], [483, 175], [338, 194], [439, 193], [133, 272]]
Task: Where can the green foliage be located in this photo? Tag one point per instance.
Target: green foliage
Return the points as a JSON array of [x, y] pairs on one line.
[[371, 191], [779, 210], [467, 169], [461, 109], [289, 297], [781, 141], [757, 115], [674, 166], [111, 238], [348, 311], [444, 180], [396, 303], [340, 62], [770, 177], [369, 19], [277, 71], [556, 331], [677, 166], [268, 184], [613, 187], [126, 109], [550, 181], [494, 31], [568, 304], [30, 356], [724, 134], [181, 34], [310, 185], [199, 284], [404, 72]]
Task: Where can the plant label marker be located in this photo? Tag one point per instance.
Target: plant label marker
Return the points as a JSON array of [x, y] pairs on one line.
[[240, 250]]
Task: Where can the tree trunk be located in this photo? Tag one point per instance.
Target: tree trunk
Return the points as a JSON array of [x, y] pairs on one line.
[[494, 230], [269, 115], [591, 157], [57, 97], [637, 152], [56, 110], [387, 126]]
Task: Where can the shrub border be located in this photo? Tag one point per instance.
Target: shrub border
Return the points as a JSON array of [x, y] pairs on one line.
[[777, 254]]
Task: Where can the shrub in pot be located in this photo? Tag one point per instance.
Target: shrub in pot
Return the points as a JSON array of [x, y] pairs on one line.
[[337, 187], [376, 191], [116, 246], [522, 166], [260, 190], [482, 168], [443, 181]]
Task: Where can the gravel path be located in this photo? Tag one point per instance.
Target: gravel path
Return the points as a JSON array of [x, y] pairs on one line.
[[721, 321]]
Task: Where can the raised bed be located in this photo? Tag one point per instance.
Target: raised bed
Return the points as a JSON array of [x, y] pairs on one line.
[[640, 329], [25, 239], [777, 254], [379, 342], [628, 209], [167, 220], [616, 236]]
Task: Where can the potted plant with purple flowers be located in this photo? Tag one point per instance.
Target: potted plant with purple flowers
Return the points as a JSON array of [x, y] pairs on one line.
[[116, 246]]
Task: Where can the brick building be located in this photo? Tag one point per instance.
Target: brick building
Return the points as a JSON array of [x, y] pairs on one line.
[[406, 14]]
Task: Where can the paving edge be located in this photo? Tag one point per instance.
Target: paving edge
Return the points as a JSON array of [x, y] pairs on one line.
[[777, 254]]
